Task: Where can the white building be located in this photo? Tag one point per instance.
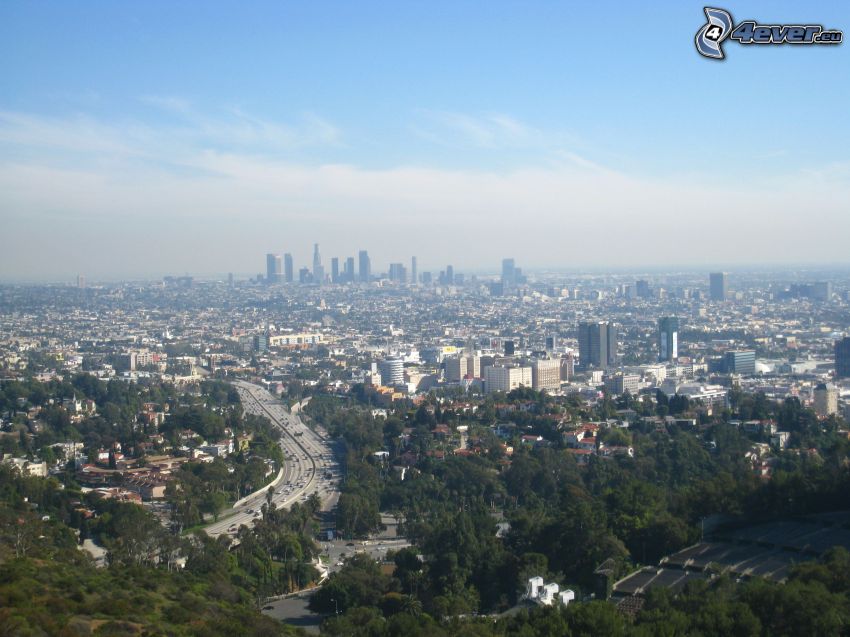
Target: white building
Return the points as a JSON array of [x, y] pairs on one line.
[[547, 594], [506, 378], [826, 400], [546, 374], [295, 340]]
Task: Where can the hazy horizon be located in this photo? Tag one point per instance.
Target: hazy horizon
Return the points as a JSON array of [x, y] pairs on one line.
[[141, 140]]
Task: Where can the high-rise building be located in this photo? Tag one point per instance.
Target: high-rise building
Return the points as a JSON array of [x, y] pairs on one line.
[[414, 275], [510, 348], [335, 270], [392, 371], [642, 289], [719, 286], [81, 281], [668, 338], [261, 343], [272, 268], [450, 275], [455, 368], [289, 268], [546, 374], [740, 362], [318, 268], [348, 274], [508, 273], [304, 276], [230, 279], [825, 400], [567, 367], [473, 366], [551, 342], [460, 367], [597, 345], [498, 378], [398, 273], [365, 267], [842, 358]]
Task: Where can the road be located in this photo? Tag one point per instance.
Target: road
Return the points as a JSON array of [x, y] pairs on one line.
[[293, 608], [309, 467]]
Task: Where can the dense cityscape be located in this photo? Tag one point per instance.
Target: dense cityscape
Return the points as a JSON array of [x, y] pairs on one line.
[[424, 319], [304, 426]]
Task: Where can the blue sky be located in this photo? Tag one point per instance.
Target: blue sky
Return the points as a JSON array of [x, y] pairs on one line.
[[451, 130]]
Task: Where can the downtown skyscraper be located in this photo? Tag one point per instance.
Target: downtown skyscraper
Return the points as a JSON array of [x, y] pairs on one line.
[[597, 345], [272, 268]]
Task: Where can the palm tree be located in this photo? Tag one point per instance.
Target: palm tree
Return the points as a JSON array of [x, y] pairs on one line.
[[411, 605]]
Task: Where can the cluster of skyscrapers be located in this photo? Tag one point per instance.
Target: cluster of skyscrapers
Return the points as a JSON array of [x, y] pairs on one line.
[[280, 269]]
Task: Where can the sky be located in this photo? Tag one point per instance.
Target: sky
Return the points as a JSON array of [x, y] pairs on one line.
[[146, 138]]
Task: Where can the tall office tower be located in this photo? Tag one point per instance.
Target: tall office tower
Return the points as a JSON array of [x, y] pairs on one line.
[[668, 338], [450, 275], [508, 272], [392, 371], [304, 276], [349, 270], [642, 289], [261, 343], [825, 399], [456, 368], [288, 268], [551, 342], [81, 281], [398, 273], [427, 278], [272, 268], [335, 270], [567, 367], [842, 358], [318, 268], [365, 267], [740, 362], [509, 348], [719, 285], [414, 275], [546, 374], [473, 366], [597, 345], [230, 279]]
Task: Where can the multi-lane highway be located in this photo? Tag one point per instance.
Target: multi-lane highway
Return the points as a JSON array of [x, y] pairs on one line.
[[309, 467]]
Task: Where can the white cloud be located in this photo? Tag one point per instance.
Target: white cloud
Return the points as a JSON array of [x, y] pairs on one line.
[[226, 207]]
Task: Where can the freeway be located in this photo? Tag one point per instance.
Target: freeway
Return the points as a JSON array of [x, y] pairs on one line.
[[309, 467]]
